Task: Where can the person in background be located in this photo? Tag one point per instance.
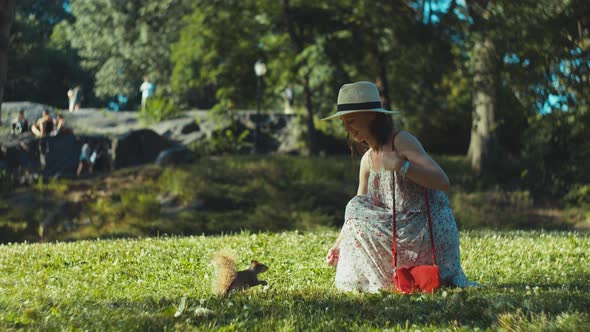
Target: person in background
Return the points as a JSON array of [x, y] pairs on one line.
[[289, 99], [147, 90], [20, 124], [74, 98], [59, 125], [43, 126], [85, 154]]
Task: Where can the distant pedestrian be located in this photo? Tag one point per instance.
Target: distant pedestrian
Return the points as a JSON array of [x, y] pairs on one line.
[[43, 126], [59, 125], [74, 98], [289, 95], [147, 90], [20, 124], [85, 159]]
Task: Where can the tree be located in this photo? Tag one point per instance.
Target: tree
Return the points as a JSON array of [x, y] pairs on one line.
[[7, 10], [41, 68], [121, 41], [484, 68], [518, 52], [214, 57]]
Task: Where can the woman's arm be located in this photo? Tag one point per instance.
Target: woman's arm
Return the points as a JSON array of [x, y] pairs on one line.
[[362, 189], [363, 175], [423, 169]]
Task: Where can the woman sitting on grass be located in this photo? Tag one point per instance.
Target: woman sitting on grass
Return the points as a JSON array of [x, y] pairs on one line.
[[395, 162]]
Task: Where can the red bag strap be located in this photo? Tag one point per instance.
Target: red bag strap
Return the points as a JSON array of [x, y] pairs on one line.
[[430, 226], [394, 247]]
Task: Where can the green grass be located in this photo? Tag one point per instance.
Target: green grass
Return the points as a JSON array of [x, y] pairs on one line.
[[232, 193], [532, 281]]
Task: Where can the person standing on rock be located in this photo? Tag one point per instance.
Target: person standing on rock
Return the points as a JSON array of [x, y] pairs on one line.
[[147, 90], [289, 95], [74, 98]]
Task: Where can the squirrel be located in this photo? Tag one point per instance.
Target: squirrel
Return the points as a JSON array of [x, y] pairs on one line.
[[227, 279]]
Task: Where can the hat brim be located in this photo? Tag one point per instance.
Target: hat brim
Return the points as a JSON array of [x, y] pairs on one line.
[[341, 113]]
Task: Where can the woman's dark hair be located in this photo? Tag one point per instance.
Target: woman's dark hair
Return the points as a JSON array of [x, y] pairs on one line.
[[382, 127]]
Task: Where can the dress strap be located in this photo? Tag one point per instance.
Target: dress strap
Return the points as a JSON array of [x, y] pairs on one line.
[[368, 154]]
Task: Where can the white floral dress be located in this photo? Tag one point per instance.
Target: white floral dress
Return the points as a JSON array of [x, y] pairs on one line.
[[365, 261]]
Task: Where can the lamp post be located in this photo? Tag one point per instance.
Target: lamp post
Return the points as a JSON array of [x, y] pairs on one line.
[[260, 70]]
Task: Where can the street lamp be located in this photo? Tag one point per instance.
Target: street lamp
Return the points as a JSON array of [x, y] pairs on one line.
[[260, 70]]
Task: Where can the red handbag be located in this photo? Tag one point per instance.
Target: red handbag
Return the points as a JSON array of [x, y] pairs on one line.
[[419, 278]]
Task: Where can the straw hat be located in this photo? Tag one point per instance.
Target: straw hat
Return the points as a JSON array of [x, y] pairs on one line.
[[359, 97]]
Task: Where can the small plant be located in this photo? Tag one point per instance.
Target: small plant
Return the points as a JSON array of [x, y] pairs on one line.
[[158, 109], [227, 141]]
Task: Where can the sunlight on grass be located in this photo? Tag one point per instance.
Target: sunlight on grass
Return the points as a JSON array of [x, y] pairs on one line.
[[531, 280]]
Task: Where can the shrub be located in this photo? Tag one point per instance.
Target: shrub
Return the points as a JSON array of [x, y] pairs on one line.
[[158, 109]]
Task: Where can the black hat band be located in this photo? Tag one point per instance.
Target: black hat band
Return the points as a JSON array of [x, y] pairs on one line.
[[359, 106]]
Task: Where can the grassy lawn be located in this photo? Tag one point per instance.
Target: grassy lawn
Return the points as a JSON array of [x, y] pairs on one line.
[[230, 193], [533, 280]]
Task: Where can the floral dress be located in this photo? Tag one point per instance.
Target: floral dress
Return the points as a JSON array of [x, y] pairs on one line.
[[365, 261]]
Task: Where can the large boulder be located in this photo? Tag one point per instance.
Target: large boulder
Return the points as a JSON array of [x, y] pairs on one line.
[[32, 111], [174, 156], [58, 155], [183, 130], [19, 151], [137, 147]]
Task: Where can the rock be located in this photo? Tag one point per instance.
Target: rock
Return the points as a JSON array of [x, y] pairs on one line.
[[184, 130], [190, 127], [20, 152], [58, 155], [174, 156], [137, 147], [32, 111]]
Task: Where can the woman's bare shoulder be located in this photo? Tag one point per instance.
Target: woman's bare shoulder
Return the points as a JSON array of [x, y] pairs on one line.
[[366, 160], [406, 141]]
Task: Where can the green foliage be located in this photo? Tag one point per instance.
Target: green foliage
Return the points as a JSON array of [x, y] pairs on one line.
[[41, 70], [227, 141], [276, 194], [532, 281], [331, 128], [557, 148], [494, 209], [159, 108], [579, 194], [214, 56], [221, 194], [120, 42]]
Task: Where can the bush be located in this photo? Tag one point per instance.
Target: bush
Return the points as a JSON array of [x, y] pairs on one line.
[[494, 209], [158, 109]]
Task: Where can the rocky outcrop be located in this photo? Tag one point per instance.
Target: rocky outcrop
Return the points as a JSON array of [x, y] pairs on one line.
[[128, 142], [137, 147], [55, 156], [174, 156]]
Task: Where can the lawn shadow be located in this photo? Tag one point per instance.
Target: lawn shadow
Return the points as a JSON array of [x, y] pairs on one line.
[[322, 309]]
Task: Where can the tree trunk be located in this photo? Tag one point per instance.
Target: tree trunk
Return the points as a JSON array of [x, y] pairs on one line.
[[382, 82], [311, 137], [484, 68], [298, 39], [7, 10]]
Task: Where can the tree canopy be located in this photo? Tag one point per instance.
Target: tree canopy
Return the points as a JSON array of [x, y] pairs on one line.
[[505, 80]]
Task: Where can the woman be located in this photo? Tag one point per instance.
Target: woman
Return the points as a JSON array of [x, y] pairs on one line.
[[396, 162]]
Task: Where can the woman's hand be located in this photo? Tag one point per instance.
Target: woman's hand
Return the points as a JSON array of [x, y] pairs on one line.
[[332, 257]]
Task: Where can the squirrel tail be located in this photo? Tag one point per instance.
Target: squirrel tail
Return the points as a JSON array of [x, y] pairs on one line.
[[225, 272]]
